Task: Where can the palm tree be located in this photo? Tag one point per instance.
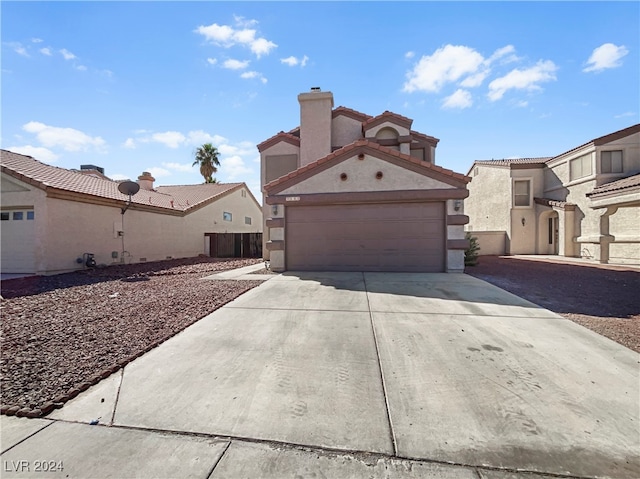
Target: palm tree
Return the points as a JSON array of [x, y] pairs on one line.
[[207, 158]]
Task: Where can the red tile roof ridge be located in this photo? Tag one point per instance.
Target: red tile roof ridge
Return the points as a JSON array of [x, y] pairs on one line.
[[343, 109], [280, 136], [30, 170], [387, 114], [373, 145]]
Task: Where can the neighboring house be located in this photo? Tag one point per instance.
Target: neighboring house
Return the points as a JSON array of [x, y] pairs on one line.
[[347, 191], [582, 203], [52, 217]]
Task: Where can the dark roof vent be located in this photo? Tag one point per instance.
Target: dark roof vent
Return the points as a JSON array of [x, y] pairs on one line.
[[92, 167], [315, 88]]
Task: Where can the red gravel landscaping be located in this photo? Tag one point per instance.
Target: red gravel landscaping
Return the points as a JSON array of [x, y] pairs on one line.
[[60, 334], [605, 299]]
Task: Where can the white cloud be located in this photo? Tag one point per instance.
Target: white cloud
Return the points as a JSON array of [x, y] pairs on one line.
[[447, 64], [18, 48], [67, 54], [606, 56], [171, 139], [232, 64], [186, 167], [527, 79], [199, 137], [228, 36], [410, 54], [625, 114], [82, 68], [252, 74], [234, 166], [461, 99], [212, 61], [69, 139], [38, 152], [158, 172], [46, 51], [130, 144], [37, 40], [293, 61], [505, 54]]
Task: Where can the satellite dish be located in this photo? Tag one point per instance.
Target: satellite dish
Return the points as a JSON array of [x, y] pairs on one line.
[[128, 188]]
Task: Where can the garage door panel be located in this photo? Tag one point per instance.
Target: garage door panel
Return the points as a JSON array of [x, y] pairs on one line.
[[384, 237]]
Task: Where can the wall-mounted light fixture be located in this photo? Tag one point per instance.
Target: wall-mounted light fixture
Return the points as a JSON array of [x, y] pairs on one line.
[[457, 204], [523, 221], [274, 210]]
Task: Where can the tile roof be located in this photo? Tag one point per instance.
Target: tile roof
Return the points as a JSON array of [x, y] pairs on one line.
[[351, 113], [618, 185], [282, 136], [373, 146], [616, 135], [41, 175], [512, 161], [387, 116]]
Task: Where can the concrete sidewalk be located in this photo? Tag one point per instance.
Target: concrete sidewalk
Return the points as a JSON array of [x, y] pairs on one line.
[[354, 375]]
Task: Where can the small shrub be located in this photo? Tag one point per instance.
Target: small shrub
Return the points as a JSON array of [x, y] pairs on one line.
[[471, 253]]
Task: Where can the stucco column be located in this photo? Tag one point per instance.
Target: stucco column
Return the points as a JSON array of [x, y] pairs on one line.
[[566, 226], [606, 239]]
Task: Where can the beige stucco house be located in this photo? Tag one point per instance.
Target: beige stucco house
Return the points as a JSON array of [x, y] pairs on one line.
[[53, 217], [346, 191], [582, 203]]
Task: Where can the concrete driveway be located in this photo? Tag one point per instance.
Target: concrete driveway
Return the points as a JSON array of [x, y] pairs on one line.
[[356, 375]]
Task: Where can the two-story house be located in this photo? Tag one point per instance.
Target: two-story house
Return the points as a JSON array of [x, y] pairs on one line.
[[346, 191], [582, 203]]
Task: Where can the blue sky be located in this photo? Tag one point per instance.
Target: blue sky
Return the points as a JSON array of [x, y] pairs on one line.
[[137, 86]]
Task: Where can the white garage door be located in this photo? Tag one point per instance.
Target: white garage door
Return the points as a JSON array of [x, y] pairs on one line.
[[366, 237], [18, 241]]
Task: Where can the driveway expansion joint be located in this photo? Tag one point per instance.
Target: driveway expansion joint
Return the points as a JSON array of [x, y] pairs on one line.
[[322, 450], [392, 434]]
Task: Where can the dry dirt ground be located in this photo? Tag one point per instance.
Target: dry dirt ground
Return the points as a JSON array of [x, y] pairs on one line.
[[605, 299], [60, 334]]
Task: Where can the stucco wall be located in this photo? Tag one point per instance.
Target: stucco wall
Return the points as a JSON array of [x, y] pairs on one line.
[[489, 198], [64, 230], [491, 242], [361, 176], [345, 130]]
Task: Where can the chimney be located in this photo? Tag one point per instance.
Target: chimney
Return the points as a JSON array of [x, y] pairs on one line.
[[315, 125], [145, 180]]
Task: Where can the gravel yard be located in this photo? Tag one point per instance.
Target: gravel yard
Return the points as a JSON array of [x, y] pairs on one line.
[[605, 299], [61, 334]]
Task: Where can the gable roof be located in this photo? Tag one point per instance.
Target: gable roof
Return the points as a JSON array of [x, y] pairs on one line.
[[282, 136], [77, 186], [618, 185], [509, 162], [373, 149], [387, 116], [602, 140], [350, 113]]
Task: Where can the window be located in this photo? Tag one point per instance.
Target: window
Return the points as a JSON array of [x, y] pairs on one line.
[[611, 161], [227, 216], [18, 215], [580, 167], [244, 193], [31, 215], [247, 220], [4, 216], [521, 191]]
